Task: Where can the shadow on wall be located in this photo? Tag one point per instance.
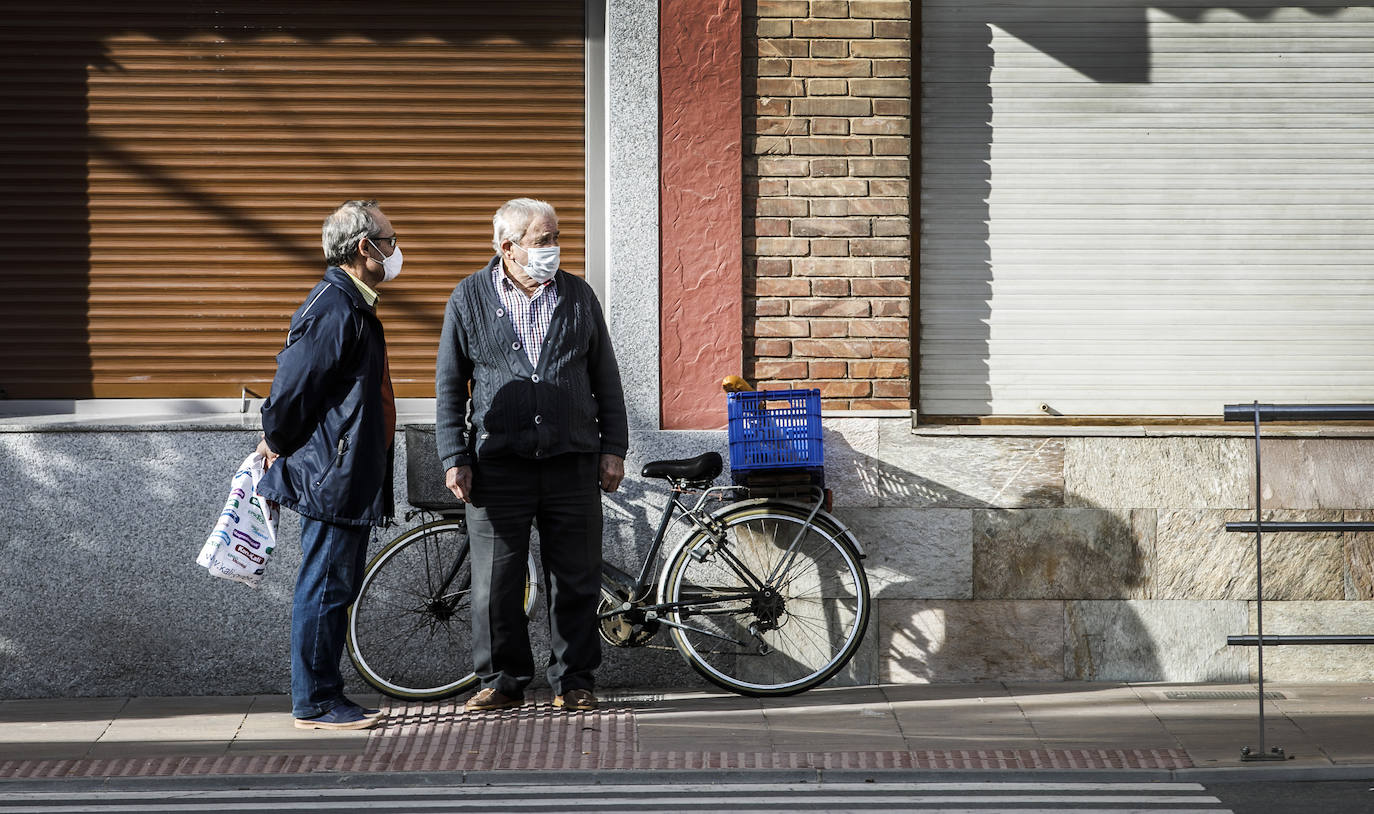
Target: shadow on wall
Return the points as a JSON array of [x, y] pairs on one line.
[[1109, 45], [985, 569]]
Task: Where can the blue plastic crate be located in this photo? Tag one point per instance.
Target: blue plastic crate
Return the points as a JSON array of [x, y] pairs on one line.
[[775, 429]]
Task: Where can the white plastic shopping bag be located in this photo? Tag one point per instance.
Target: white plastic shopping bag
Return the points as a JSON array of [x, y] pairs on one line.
[[246, 531]]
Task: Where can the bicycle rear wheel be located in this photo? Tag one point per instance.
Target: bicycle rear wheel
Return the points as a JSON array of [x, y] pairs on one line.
[[758, 637], [410, 631]]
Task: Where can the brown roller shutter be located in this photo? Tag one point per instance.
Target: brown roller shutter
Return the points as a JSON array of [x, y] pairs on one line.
[[166, 168]]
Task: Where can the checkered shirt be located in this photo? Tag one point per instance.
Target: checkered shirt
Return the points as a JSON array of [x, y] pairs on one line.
[[529, 316]]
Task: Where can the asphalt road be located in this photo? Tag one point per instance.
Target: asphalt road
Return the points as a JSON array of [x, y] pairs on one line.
[[1265, 797]]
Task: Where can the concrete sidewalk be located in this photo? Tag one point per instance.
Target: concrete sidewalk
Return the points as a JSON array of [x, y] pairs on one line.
[[1128, 728]]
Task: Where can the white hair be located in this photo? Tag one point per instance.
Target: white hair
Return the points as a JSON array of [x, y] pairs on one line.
[[514, 217]]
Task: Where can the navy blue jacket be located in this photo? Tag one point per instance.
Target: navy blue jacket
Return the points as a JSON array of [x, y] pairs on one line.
[[571, 402], [325, 414]]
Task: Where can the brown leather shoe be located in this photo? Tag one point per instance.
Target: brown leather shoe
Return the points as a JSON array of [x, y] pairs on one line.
[[576, 700], [489, 699]]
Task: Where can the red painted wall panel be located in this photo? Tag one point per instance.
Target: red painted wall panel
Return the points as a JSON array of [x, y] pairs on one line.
[[701, 267]]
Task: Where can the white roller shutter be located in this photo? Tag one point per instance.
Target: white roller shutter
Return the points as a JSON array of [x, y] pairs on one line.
[[1139, 210]]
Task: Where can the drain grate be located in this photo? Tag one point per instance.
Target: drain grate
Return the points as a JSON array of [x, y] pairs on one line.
[[1222, 695]]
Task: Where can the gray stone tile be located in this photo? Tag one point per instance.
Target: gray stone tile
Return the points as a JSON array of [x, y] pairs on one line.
[[155, 747], [849, 718], [826, 698], [1196, 558], [1173, 472], [704, 740], [152, 708], [1221, 744], [924, 472], [1358, 565], [966, 725], [676, 701], [814, 742], [269, 728], [1076, 553], [1316, 473], [1154, 640], [53, 710], [194, 720], [58, 728], [1086, 715], [950, 640], [48, 747], [1326, 698], [1308, 663], [915, 553], [900, 695]]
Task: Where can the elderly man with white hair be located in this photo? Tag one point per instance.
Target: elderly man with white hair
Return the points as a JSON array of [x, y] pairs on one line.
[[327, 433], [530, 422]]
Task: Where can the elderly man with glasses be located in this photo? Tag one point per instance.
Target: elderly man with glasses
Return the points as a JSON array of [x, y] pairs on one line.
[[530, 422], [327, 436]]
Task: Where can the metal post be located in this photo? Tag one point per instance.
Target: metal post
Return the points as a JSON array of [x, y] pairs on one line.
[[1277, 752]]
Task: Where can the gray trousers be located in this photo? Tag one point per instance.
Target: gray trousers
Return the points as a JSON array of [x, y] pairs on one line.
[[561, 495]]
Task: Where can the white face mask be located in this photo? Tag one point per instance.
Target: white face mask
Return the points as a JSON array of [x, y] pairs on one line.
[[391, 266], [541, 263]]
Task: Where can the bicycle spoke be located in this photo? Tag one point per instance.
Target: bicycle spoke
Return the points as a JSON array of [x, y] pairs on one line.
[[793, 633], [409, 633]]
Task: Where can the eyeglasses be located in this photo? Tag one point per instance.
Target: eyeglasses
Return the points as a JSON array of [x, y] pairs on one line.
[[389, 241]]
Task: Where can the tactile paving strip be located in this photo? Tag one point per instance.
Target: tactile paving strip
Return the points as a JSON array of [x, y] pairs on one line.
[[440, 737]]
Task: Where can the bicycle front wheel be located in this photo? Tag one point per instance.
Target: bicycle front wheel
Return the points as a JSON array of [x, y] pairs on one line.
[[410, 630], [772, 607]]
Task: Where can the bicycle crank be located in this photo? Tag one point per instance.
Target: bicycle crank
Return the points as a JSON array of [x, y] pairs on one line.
[[624, 626]]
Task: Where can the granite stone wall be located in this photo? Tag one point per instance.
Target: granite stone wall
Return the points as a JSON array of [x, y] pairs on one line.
[[1101, 558], [990, 558]]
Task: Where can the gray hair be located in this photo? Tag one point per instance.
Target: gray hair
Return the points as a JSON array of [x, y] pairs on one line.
[[344, 227], [514, 217]]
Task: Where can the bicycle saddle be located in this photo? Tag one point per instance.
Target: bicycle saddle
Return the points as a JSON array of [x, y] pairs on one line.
[[704, 467]]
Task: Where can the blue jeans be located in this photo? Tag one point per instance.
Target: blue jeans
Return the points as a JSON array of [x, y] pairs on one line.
[[333, 559]]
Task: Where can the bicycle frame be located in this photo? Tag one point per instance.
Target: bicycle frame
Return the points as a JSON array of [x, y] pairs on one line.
[[643, 587], [640, 588]]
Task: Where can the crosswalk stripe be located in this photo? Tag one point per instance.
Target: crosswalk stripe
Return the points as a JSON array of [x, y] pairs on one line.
[[923, 797], [632, 790]]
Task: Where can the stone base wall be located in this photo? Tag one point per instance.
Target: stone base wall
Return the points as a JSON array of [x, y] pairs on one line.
[[991, 558], [1102, 558]]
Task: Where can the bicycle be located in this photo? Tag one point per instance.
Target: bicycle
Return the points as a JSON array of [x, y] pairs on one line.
[[765, 596]]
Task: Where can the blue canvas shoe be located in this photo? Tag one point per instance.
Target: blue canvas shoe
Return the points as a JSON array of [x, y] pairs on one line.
[[344, 716], [368, 712]]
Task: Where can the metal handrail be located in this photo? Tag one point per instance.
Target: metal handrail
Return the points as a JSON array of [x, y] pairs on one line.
[[1298, 412], [1257, 412]]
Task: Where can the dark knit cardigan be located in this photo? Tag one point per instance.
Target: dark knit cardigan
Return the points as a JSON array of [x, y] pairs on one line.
[[571, 402]]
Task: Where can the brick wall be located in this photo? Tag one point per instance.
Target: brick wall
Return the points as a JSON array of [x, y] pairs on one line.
[[827, 174]]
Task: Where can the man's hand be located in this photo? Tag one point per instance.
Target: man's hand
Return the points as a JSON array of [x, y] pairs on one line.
[[612, 472], [458, 479], [267, 453]]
